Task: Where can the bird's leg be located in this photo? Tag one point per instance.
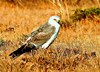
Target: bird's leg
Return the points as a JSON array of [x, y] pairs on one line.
[[27, 41]]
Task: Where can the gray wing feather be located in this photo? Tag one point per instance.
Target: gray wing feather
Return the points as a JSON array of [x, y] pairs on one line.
[[38, 30]]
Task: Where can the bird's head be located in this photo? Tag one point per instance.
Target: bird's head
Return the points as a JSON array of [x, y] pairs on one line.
[[53, 19]]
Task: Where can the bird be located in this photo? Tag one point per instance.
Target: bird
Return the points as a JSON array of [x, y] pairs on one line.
[[42, 37]]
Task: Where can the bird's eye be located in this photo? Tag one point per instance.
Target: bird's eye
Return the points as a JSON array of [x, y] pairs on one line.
[[55, 20], [58, 21]]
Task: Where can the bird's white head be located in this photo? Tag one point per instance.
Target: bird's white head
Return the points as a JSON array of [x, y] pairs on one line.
[[54, 19]]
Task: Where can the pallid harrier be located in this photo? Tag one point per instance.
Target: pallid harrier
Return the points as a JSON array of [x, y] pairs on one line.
[[42, 37]]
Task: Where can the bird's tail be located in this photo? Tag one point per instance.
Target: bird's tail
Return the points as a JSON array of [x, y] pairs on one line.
[[24, 48]]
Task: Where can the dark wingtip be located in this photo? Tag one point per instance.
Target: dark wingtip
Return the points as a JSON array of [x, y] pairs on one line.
[[12, 56], [22, 50]]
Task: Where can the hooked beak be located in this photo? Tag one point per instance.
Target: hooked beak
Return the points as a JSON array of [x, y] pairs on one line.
[[59, 21]]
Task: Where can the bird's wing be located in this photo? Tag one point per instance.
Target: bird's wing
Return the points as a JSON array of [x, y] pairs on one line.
[[40, 29], [41, 35], [35, 32]]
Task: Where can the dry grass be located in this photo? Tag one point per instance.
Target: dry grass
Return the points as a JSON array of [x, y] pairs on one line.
[[76, 49]]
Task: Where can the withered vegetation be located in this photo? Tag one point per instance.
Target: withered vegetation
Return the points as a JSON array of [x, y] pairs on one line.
[[76, 49]]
